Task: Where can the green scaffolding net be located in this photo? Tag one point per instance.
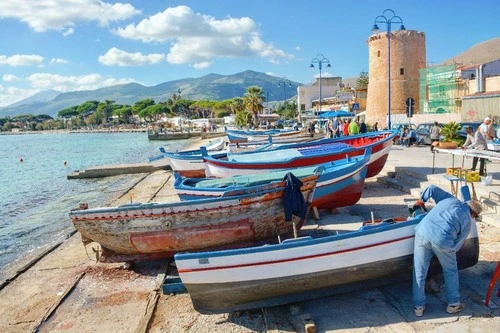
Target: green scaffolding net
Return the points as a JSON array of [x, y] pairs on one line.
[[439, 89]]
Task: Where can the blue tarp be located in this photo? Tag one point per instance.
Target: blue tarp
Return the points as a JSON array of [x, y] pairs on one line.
[[333, 114]]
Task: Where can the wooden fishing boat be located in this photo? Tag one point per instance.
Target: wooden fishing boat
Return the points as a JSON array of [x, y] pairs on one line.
[[306, 267], [238, 136], [304, 154], [216, 145], [340, 182], [138, 231]]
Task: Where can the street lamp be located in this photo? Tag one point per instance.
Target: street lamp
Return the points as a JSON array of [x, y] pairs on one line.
[[284, 82], [320, 60], [267, 101], [388, 19]]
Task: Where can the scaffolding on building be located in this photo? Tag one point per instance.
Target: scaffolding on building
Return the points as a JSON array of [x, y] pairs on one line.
[[439, 89]]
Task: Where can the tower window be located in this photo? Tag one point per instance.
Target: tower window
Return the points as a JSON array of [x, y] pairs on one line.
[[378, 54], [401, 71]]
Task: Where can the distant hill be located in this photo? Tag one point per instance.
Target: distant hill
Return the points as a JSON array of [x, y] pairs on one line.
[[480, 53], [211, 86]]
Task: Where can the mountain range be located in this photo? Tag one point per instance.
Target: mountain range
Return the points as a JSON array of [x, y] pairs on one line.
[[212, 86]]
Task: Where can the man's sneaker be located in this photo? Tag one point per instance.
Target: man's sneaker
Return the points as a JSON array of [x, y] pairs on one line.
[[455, 308], [419, 311]]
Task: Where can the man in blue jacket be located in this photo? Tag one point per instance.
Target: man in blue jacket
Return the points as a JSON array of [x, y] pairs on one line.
[[442, 233]]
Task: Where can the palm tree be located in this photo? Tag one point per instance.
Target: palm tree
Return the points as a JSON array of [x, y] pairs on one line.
[[253, 101]]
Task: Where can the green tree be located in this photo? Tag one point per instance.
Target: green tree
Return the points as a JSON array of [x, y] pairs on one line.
[[68, 112], [362, 81], [237, 105], [253, 101], [141, 105], [106, 108], [243, 118], [124, 113]]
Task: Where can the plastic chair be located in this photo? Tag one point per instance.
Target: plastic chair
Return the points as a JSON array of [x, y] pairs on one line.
[[495, 276]]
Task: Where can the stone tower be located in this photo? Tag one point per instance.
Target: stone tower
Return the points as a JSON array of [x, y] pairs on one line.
[[407, 58]]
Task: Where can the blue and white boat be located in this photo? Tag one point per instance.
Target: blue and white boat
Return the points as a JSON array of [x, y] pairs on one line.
[[340, 183], [307, 267]]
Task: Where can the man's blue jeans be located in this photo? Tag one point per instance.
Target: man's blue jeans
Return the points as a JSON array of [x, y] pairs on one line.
[[423, 253]]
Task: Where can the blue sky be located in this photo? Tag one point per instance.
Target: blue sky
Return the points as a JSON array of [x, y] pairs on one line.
[[70, 45]]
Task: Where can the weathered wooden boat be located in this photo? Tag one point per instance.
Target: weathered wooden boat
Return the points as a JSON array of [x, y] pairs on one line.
[[304, 154], [138, 231], [306, 267], [340, 182]]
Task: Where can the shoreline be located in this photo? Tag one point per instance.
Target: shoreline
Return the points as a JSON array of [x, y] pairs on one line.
[[117, 130]]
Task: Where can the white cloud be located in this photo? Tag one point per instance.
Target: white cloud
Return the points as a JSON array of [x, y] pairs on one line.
[[62, 15], [117, 57], [21, 60], [68, 32], [10, 78], [12, 95], [198, 39], [44, 81], [58, 61]]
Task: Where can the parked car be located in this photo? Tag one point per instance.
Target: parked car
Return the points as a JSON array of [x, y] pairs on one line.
[[402, 126], [463, 126], [423, 132]]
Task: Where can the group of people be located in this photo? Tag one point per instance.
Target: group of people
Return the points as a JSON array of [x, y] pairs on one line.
[[479, 140], [338, 127], [443, 231], [408, 137]]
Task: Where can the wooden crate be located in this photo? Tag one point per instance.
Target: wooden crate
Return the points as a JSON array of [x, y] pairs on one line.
[[453, 172], [470, 176]]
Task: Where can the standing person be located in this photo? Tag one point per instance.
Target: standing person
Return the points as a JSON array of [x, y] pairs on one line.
[[353, 127], [434, 134], [487, 129], [329, 129], [442, 233], [362, 126], [476, 140], [336, 128], [341, 127], [375, 127], [347, 123]]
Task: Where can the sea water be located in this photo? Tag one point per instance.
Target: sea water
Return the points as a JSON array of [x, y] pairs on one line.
[[35, 194]]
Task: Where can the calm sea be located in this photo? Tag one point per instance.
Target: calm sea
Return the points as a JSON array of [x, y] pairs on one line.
[[36, 196]]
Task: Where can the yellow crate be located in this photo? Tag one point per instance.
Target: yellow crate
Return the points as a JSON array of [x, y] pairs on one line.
[[470, 176], [453, 171]]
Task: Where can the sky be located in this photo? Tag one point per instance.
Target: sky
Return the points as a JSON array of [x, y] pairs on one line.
[[71, 45]]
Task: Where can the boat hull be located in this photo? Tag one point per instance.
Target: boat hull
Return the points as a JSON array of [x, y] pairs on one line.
[[305, 155], [235, 280], [340, 184], [155, 230]]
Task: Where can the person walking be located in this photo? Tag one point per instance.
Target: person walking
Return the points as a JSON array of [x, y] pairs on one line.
[[375, 127], [434, 134], [476, 140], [442, 233], [353, 127]]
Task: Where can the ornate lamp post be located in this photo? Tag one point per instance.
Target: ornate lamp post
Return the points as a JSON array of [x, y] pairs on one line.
[[388, 17], [320, 60]]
